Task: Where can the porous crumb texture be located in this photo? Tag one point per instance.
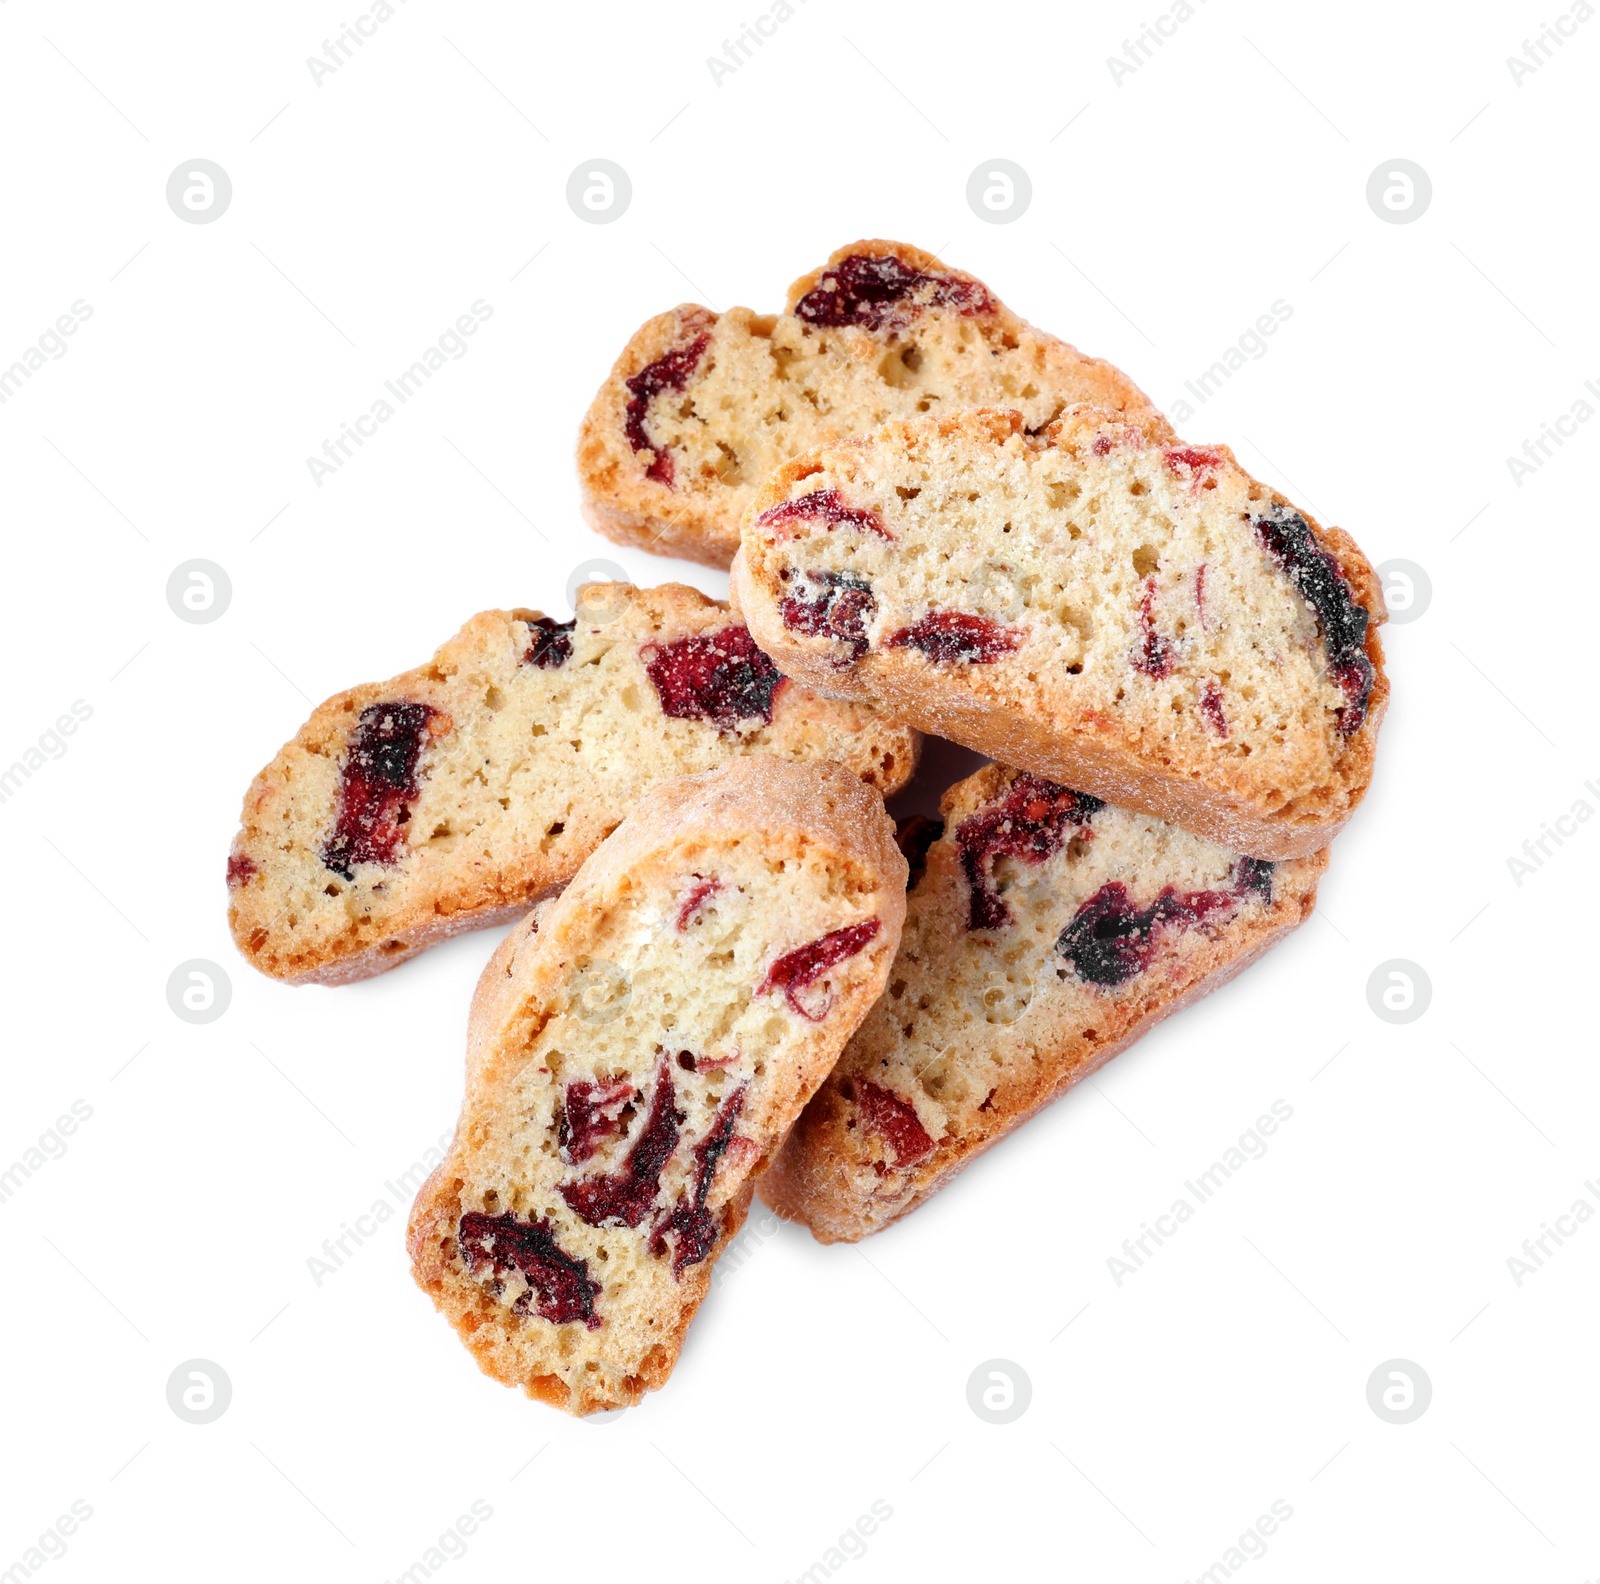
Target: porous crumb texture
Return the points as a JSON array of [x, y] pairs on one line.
[[460, 793], [1048, 931], [638, 1047], [700, 407], [1096, 602]]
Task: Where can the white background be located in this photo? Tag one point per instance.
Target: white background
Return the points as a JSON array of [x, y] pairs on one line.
[[368, 212]]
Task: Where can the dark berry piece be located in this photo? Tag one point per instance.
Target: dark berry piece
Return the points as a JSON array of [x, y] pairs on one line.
[[894, 1120], [720, 677], [800, 969], [378, 783], [240, 870], [670, 371], [691, 1226], [591, 1112], [840, 609], [1031, 822], [1155, 654], [1211, 707], [625, 1197], [1352, 676], [551, 645], [698, 892], [914, 836], [827, 507], [559, 1288], [1110, 940], [949, 637], [1253, 877], [1287, 538], [875, 291]]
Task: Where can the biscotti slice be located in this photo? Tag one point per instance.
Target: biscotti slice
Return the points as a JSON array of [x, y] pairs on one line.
[[458, 794], [1120, 613], [700, 407], [1047, 932], [637, 1050]]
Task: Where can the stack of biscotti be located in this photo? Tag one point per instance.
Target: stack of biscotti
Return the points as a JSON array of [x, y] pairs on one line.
[[1183, 671], [737, 976]]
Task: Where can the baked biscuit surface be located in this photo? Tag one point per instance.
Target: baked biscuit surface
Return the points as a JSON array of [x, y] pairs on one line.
[[637, 1049], [1047, 932], [700, 406], [1095, 602]]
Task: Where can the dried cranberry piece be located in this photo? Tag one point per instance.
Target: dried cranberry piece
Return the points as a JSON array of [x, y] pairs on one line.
[[894, 1120], [1030, 822], [240, 869], [947, 637], [551, 647], [840, 610], [1110, 940], [698, 892], [874, 290], [1287, 538], [692, 1227], [1197, 459], [559, 1287], [827, 507], [1156, 654], [805, 965], [625, 1197], [1353, 676], [914, 836], [670, 371], [590, 1113], [720, 677], [1211, 707], [378, 782]]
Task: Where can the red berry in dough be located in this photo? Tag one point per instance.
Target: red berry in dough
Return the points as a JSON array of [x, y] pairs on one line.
[[559, 1288], [1031, 822], [670, 371], [874, 291], [947, 637], [894, 1121], [721, 677], [799, 970], [378, 783]]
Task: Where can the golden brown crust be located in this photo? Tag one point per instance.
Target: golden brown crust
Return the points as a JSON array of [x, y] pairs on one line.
[[816, 809], [825, 1178], [1084, 748], [697, 516], [634, 510], [497, 861], [871, 247]]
